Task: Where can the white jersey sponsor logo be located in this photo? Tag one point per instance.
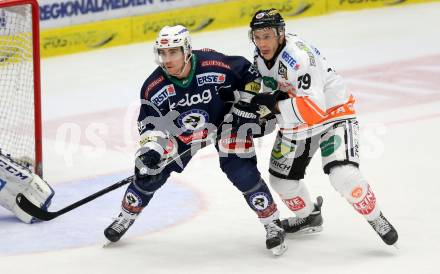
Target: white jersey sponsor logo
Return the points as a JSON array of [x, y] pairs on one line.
[[282, 71], [289, 59], [204, 98], [210, 78]]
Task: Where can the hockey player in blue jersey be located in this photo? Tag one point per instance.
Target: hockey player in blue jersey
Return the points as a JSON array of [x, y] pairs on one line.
[[184, 101]]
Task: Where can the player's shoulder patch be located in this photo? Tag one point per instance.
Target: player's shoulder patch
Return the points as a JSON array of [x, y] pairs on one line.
[[207, 50], [153, 82], [212, 59], [207, 53], [252, 87], [215, 63], [302, 46]]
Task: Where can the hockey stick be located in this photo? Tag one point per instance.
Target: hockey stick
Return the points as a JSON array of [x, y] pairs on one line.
[[37, 212]]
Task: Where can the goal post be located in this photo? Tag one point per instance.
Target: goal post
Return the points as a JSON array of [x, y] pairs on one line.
[[20, 98]]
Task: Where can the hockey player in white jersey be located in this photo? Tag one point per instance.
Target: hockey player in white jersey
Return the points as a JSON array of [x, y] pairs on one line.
[[16, 178], [313, 109]]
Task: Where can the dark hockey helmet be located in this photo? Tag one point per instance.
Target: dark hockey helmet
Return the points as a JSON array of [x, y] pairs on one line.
[[270, 18]]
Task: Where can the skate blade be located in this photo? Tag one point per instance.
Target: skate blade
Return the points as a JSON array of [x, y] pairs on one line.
[[279, 250], [107, 244], [396, 246], [306, 231]]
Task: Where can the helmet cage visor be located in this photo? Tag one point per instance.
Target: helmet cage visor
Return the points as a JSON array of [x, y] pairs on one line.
[[164, 43], [277, 31]]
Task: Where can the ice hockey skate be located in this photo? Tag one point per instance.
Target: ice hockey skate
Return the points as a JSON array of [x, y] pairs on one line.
[[385, 230], [117, 229], [275, 238], [308, 225]]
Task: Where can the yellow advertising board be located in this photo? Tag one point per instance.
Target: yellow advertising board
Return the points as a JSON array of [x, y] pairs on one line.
[[85, 37], [142, 28], [220, 15], [338, 5]]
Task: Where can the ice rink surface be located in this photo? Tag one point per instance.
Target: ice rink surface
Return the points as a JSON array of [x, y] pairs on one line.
[[199, 223]]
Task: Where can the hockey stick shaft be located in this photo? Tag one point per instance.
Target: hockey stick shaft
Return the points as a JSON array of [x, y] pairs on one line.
[[44, 215]]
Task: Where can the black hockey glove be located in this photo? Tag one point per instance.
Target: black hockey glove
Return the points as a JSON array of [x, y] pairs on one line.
[[147, 162], [243, 113], [245, 119], [270, 100]]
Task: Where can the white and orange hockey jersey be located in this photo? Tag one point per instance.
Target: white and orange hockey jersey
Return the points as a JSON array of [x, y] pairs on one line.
[[318, 95]]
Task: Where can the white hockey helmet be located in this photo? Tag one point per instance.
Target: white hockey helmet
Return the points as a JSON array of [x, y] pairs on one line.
[[173, 37]]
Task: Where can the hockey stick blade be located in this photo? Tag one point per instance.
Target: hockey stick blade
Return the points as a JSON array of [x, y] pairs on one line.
[[33, 210]]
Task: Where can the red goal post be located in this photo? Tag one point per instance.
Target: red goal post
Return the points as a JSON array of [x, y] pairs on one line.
[[20, 103]]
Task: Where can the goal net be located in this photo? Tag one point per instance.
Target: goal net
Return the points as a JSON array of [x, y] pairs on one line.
[[20, 114]]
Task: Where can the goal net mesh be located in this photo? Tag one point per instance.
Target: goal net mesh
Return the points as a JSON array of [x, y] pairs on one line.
[[17, 122]]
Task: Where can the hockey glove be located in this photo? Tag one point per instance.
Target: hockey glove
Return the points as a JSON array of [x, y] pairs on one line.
[[243, 113], [245, 119], [269, 100], [147, 162]]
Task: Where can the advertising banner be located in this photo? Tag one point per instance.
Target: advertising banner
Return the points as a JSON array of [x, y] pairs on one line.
[[107, 33], [85, 37], [59, 13], [212, 15], [338, 5], [221, 15]]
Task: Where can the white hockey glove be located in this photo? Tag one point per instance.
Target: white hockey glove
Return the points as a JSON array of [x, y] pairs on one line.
[[14, 179]]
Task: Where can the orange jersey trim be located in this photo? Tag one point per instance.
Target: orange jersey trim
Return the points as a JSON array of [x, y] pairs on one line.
[[310, 113], [314, 116]]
